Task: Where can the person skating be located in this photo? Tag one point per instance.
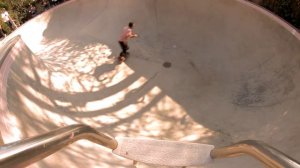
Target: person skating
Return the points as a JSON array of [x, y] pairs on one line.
[[127, 33]]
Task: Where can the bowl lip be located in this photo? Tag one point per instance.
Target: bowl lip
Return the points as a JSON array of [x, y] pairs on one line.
[[291, 28]]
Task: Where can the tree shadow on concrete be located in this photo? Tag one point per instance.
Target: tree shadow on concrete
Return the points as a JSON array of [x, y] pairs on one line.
[[121, 103]]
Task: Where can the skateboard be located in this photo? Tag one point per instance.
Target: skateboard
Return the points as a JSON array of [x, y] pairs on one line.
[[123, 56]]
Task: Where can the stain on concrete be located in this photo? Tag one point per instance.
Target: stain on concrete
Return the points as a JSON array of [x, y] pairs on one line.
[[264, 88], [251, 94]]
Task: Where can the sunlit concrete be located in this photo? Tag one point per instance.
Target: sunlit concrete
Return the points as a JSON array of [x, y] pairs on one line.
[[233, 76]]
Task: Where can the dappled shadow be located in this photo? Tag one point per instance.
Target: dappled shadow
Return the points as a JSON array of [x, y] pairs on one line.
[[82, 83]]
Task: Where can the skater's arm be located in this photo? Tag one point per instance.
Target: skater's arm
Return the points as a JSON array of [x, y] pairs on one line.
[[132, 35]]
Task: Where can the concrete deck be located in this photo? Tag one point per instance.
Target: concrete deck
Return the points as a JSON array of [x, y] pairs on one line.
[[234, 75]]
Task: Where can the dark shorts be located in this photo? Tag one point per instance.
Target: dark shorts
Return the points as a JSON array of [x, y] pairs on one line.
[[124, 46]]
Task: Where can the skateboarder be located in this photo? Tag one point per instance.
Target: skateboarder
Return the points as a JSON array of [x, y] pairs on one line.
[[126, 34]]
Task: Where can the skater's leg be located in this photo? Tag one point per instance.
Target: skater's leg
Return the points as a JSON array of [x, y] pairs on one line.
[[123, 47], [126, 49]]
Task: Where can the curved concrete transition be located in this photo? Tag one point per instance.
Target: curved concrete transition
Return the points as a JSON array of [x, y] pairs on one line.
[[207, 71]]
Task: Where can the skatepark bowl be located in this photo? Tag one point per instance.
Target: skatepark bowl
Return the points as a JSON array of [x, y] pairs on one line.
[[210, 71]]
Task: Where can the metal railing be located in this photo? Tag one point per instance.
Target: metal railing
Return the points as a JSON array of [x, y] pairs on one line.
[[25, 152], [268, 155]]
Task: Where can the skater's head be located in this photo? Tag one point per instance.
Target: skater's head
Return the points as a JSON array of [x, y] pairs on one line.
[[130, 25]]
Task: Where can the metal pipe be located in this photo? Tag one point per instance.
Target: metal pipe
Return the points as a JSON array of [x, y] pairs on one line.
[[25, 152], [268, 155]]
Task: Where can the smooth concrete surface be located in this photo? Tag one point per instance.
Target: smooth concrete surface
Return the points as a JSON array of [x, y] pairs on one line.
[[234, 75]]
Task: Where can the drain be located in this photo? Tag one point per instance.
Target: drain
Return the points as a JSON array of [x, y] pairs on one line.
[[167, 64]]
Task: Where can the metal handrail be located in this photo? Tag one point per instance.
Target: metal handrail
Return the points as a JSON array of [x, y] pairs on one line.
[[268, 155], [25, 152]]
